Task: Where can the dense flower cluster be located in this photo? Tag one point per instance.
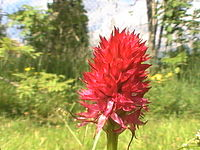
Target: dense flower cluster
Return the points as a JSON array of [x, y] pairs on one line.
[[116, 83]]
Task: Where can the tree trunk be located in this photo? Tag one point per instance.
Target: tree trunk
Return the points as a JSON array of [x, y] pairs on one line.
[[152, 27]]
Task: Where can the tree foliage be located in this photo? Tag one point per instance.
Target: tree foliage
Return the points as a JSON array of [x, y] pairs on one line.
[[171, 24], [2, 27], [60, 33]]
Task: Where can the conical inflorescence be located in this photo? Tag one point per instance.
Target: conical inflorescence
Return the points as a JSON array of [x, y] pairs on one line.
[[116, 82]]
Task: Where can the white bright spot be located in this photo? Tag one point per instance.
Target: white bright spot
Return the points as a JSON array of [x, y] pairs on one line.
[[105, 14]]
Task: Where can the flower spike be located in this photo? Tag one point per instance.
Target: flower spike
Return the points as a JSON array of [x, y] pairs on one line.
[[116, 83]]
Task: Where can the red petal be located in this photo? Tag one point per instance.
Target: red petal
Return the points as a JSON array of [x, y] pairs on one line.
[[109, 108], [117, 119]]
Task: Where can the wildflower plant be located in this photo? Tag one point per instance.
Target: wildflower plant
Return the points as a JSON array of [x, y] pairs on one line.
[[115, 86], [194, 142]]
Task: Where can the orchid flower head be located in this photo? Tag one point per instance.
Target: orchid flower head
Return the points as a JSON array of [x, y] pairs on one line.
[[116, 82]]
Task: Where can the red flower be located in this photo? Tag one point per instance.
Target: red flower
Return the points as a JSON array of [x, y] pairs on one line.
[[116, 83]]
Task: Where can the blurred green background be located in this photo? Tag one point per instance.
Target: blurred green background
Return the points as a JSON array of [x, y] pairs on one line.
[[40, 76]]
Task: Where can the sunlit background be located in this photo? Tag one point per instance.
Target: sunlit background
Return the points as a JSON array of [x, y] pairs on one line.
[[43, 56], [102, 14]]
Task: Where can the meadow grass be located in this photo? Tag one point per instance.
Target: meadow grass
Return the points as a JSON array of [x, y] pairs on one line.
[[157, 134], [164, 131], [174, 97]]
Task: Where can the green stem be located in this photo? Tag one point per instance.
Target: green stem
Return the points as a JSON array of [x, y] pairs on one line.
[[112, 140]]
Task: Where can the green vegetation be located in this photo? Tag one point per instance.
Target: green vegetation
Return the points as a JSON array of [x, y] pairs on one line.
[[39, 81], [159, 134], [172, 97], [59, 34]]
